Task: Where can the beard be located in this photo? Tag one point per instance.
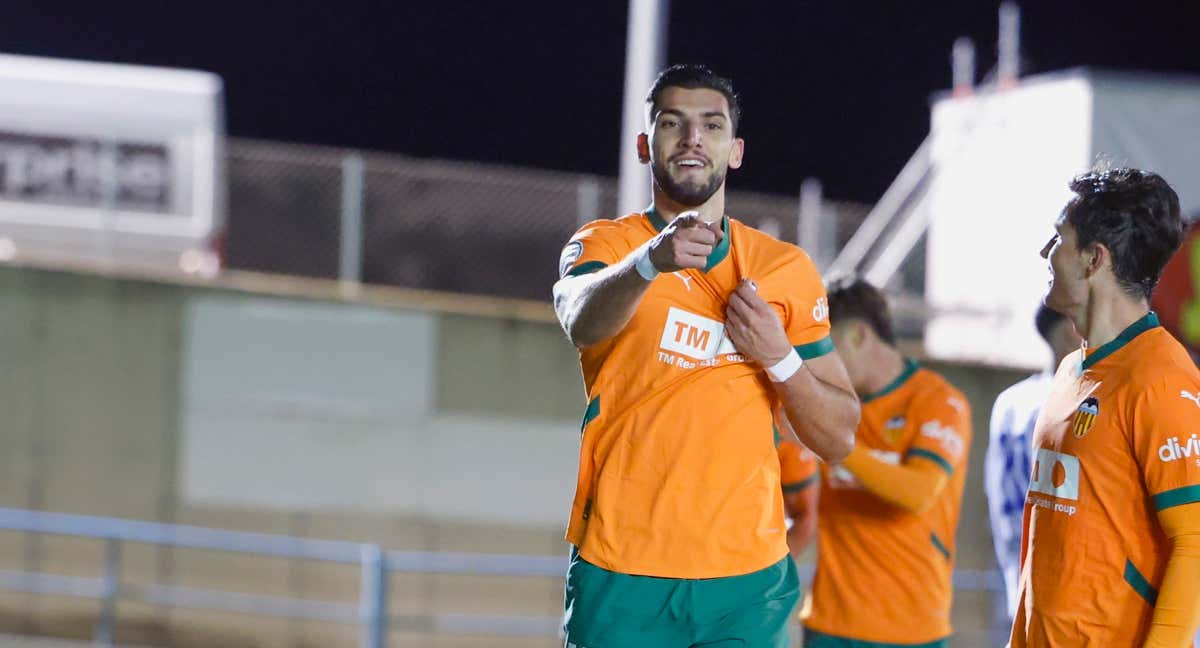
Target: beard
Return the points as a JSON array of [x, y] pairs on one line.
[[688, 194]]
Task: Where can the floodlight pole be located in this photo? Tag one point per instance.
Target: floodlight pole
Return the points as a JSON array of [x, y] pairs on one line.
[[1008, 65], [645, 51], [962, 61]]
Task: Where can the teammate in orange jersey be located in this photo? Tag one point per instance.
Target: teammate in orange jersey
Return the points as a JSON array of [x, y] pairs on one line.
[[1111, 542], [692, 328], [887, 513]]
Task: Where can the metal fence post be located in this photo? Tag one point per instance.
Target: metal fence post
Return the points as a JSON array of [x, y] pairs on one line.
[[350, 258], [809, 225], [587, 200], [111, 591], [373, 598]]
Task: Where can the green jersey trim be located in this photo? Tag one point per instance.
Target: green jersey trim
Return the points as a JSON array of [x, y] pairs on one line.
[[1139, 583], [1177, 497], [586, 268], [1147, 322], [910, 368], [796, 487], [937, 544], [814, 639], [932, 456], [590, 414], [815, 349]]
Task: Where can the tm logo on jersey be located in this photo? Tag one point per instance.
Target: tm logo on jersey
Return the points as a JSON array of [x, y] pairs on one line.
[[1173, 450], [694, 336]]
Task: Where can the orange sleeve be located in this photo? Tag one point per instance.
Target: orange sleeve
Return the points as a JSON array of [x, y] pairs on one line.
[[943, 421], [805, 308], [595, 246], [1177, 608], [913, 487], [1166, 439]]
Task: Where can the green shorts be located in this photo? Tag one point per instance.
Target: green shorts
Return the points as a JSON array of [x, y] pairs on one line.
[[814, 639], [606, 609]]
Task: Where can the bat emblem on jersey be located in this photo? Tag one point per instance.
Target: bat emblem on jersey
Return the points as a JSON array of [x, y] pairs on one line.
[[1085, 416]]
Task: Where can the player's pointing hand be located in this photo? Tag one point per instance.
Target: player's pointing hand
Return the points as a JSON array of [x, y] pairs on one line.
[[754, 326], [685, 243]]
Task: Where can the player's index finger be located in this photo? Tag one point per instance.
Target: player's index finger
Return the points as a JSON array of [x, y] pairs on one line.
[[715, 228], [688, 219], [747, 290]]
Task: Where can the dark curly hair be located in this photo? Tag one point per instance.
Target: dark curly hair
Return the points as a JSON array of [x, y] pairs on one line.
[[853, 298], [1133, 213], [691, 77]]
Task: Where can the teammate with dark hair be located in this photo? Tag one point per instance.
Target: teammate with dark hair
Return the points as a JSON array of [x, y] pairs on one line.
[[1111, 548]]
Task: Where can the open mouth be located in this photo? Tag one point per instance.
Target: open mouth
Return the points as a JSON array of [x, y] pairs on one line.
[[689, 163]]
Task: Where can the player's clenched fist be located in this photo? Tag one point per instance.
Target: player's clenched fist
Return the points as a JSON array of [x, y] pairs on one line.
[[754, 326], [685, 243]]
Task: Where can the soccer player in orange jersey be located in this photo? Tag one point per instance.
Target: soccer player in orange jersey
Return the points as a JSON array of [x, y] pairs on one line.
[[1111, 542], [886, 516], [692, 329]]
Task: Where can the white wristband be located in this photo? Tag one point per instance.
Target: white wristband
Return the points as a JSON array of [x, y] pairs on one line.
[[786, 368], [645, 266]]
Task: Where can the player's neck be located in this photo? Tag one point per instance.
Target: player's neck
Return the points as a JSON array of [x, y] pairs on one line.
[[712, 211], [891, 366], [1106, 317]]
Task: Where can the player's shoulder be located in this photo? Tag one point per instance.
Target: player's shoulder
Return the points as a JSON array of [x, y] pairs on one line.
[[759, 242], [933, 390], [1160, 361], [619, 226], [1162, 373], [769, 253]]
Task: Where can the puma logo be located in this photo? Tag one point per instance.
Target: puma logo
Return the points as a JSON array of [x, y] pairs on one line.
[[1195, 398], [687, 281]]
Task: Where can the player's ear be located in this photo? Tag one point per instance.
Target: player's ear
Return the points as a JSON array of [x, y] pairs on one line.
[[736, 153], [859, 333], [643, 148], [1097, 256]]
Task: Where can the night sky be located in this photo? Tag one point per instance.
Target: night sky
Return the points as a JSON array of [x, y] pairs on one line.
[[838, 90]]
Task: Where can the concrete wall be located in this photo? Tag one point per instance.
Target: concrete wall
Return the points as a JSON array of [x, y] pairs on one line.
[[417, 422]]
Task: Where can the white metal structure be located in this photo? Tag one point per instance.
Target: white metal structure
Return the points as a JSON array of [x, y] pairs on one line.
[[109, 163], [645, 51]]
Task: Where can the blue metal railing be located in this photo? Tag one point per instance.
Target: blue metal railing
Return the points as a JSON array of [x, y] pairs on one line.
[[375, 565]]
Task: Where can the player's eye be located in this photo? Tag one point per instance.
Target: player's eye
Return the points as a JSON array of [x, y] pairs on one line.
[[668, 123], [714, 126]]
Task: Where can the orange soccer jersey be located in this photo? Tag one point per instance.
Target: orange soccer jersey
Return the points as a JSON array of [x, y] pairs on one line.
[[1117, 442], [883, 573], [678, 475]]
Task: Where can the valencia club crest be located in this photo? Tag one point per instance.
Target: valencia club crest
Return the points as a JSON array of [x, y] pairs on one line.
[[1085, 416]]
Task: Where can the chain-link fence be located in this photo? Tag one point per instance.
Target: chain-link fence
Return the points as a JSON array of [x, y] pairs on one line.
[[432, 224]]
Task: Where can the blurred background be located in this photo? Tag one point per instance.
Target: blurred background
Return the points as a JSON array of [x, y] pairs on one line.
[[278, 362]]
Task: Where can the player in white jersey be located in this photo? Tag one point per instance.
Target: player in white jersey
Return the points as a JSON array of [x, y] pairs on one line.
[[1007, 465]]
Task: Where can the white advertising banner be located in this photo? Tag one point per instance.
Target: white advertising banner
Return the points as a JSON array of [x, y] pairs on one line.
[[106, 159], [1002, 162]]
